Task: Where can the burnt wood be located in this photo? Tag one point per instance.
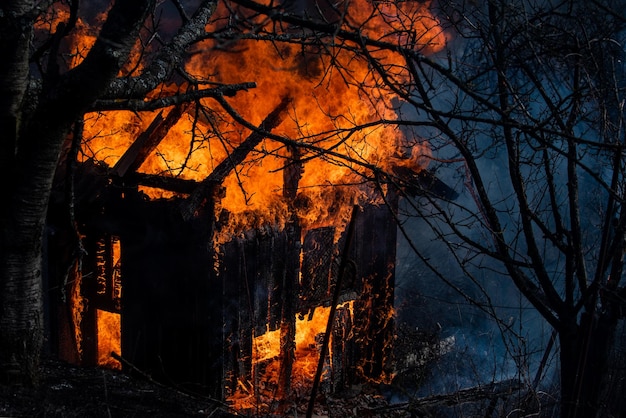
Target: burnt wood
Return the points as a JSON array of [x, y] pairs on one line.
[[342, 367], [374, 255], [252, 268], [145, 143], [318, 252], [172, 314], [171, 184], [89, 292], [289, 304]]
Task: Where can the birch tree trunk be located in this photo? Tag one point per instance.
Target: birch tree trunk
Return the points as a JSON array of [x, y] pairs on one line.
[[21, 321], [33, 128]]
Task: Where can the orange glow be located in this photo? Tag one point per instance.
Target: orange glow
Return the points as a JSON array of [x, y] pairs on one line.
[[83, 38], [78, 307], [309, 336], [266, 351], [109, 338], [108, 135], [333, 105], [74, 48]]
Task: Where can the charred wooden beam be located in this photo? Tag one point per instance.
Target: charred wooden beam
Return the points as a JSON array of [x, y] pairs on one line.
[[145, 143], [289, 303], [333, 309], [89, 292], [375, 255], [341, 349], [318, 250], [107, 281], [172, 184], [172, 316], [423, 182], [291, 179], [428, 182], [292, 173], [207, 186]]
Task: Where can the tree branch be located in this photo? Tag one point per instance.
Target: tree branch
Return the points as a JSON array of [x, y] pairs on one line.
[[167, 60], [175, 99]]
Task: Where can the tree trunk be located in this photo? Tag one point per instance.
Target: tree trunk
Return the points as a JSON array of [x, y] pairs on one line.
[[21, 319], [21, 225], [569, 342], [16, 31], [585, 350], [29, 155]]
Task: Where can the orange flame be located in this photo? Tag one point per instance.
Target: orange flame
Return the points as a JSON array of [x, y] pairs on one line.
[[266, 351], [334, 104], [109, 338], [75, 48]]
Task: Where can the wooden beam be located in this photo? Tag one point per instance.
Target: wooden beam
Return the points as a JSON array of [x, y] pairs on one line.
[[145, 143], [172, 184], [206, 187]]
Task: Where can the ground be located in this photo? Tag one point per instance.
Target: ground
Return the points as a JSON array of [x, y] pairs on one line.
[[68, 391]]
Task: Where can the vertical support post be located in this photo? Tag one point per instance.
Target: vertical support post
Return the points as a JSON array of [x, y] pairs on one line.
[[89, 293], [291, 177], [375, 250], [288, 316]]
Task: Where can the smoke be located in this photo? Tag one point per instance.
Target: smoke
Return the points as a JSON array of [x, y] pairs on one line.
[[468, 298], [496, 334]]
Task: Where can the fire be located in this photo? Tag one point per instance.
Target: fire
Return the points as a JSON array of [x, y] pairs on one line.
[[333, 101], [99, 306], [266, 359], [329, 110], [109, 338], [336, 100]]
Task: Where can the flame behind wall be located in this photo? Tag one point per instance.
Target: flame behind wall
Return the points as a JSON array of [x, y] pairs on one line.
[[109, 338], [266, 352]]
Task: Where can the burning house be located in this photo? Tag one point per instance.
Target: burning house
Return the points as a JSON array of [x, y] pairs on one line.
[[226, 256], [242, 313]]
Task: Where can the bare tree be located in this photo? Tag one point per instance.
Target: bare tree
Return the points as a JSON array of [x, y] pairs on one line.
[[539, 87], [42, 97], [536, 87], [524, 107]]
